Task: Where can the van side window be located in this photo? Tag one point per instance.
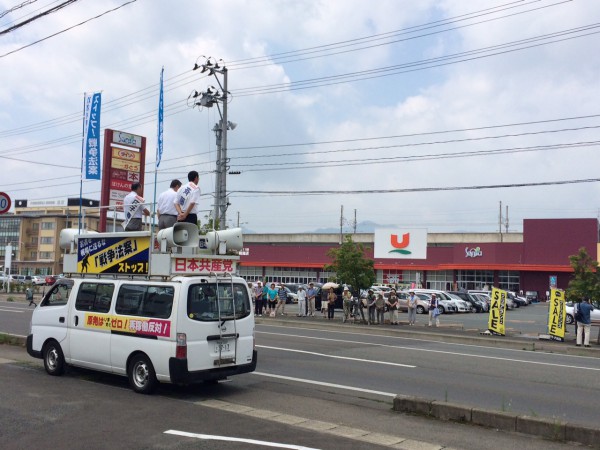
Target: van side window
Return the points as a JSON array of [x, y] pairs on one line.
[[94, 297], [57, 295], [146, 301]]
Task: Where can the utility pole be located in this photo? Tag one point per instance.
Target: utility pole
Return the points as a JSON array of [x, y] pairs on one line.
[[500, 222], [506, 221], [354, 221], [207, 99], [341, 224]]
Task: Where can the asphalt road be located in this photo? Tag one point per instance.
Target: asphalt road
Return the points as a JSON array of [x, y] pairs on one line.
[[84, 409]]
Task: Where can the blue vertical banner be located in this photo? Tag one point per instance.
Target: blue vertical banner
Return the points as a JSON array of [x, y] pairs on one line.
[[159, 142], [91, 135]]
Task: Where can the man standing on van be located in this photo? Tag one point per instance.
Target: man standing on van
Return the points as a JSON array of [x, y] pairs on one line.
[[187, 201], [165, 206], [133, 207]]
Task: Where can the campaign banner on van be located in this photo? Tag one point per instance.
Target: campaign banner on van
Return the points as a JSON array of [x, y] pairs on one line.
[[497, 318], [557, 315], [119, 255], [137, 325]]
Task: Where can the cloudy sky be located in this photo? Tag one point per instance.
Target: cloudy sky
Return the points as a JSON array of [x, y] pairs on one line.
[[420, 114]]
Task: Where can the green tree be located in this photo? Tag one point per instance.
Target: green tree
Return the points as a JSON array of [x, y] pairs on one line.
[[351, 265], [585, 281]]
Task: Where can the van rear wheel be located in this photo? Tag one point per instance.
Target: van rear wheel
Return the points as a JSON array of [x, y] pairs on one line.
[[54, 360], [141, 374]]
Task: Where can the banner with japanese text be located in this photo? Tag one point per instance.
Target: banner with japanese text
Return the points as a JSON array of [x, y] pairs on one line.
[[91, 135], [124, 255], [557, 314], [125, 324], [497, 317]]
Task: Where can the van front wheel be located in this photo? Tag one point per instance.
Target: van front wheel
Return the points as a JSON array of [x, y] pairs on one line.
[[141, 374], [54, 360]]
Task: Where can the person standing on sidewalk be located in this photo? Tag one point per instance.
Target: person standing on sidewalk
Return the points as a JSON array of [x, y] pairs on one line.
[[392, 305], [29, 296], [301, 302], [371, 306], [281, 299], [331, 298], [412, 308], [582, 315], [272, 300], [346, 303], [380, 309], [311, 294], [258, 299], [434, 313]]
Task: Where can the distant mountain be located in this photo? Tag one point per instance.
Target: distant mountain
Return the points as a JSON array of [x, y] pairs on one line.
[[362, 227]]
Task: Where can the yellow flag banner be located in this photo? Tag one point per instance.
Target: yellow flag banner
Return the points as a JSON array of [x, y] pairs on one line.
[[557, 315], [497, 317]]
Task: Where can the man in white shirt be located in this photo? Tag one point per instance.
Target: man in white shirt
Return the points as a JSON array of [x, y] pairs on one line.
[[188, 199], [165, 206], [133, 207]]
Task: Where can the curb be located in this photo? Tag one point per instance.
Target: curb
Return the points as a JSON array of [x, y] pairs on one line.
[[534, 426], [13, 339]]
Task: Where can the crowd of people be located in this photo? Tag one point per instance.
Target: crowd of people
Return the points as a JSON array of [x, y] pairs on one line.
[[372, 308]]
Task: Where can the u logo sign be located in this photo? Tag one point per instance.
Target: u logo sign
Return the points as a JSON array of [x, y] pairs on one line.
[[400, 246]]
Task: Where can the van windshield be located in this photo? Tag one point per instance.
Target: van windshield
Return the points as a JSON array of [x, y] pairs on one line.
[[211, 302]]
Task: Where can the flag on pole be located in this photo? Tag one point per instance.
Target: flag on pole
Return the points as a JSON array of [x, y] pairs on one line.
[[159, 143], [91, 135]]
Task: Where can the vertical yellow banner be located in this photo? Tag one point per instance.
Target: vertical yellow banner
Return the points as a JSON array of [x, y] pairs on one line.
[[557, 314], [496, 321]]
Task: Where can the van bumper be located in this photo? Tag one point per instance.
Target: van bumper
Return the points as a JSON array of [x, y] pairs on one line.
[[179, 373], [30, 350]]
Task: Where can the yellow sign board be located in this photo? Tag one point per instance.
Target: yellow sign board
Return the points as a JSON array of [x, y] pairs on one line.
[[497, 318], [557, 314], [127, 155], [125, 255], [130, 166]]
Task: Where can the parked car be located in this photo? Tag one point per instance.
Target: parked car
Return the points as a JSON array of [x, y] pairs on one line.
[[50, 280], [477, 305], [422, 302], [594, 315], [16, 279], [445, 306], [38, 280], [532, 296], [462, 306]]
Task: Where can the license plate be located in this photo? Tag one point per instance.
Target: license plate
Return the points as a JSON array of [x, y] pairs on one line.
[[224, 347]]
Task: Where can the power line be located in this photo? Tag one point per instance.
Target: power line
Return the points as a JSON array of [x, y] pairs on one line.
[[38, 16], [66, 29], [14, 8]]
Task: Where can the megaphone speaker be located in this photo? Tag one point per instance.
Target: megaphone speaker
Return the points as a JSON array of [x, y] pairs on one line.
[[232, 238], [182, 234]]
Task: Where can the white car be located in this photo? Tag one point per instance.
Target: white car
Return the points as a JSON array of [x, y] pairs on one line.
[[462, 306], [444, 305], [594, 315], [38, 281]]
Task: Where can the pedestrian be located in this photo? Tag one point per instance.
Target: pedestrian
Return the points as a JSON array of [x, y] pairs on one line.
[[371, 306], [165, 206], [392, 305], [311, 294], [582, 316], [346, 303], [380, 309], [272, 299], [434, 312], [187, 201], [281, 299], [331, 298], [29, 296], [412, 307], [258, 299], [301, 302], [133, 207]]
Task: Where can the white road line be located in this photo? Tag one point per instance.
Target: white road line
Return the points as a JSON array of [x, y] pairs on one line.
[[234, 439], [498, 358], [322, 383], [12, 310], [336, 356]]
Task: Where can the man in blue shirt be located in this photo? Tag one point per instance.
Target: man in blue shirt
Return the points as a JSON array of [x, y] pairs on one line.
[[311, 295], [582, 315], [282, 299]]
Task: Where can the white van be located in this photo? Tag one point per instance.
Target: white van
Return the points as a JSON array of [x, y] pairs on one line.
[[184, 319]]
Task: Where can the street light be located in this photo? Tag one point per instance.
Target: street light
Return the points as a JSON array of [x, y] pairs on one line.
[[207, 99]]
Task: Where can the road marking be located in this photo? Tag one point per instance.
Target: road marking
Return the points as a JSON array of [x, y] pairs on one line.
[[498, 358], [11, 310], [322, 383], [211, 437], [325, 355]]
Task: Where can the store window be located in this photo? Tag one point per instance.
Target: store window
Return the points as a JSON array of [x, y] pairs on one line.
[[440, 279], [509, 280], [474, 279]]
